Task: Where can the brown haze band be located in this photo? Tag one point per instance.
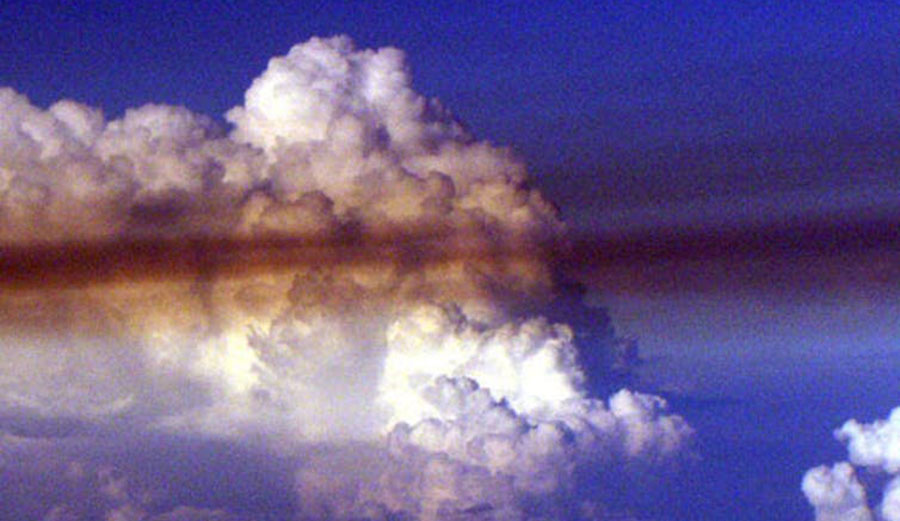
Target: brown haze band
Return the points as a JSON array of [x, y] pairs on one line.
[[80, 263]]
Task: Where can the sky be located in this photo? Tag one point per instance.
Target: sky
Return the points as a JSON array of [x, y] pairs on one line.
[[616, 107], [313, 260]]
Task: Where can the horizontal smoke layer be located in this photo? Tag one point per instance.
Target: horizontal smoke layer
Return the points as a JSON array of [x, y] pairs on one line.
[[300, 280]]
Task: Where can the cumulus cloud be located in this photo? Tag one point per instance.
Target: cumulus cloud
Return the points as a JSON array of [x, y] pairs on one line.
[[474, 437], [837, 494], [345, 265], [874, 445]]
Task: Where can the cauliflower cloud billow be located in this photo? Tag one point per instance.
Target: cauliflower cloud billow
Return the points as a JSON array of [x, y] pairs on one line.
[[837, 494], [425, 349]]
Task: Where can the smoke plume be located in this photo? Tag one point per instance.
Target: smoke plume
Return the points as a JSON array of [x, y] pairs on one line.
[[345, 277]]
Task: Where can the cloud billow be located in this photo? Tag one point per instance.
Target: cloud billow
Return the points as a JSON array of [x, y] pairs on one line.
[[345, 267], [837, 494]]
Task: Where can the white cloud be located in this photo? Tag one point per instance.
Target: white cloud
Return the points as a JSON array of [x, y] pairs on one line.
[[874, 445], [837, 494], [418, 346]]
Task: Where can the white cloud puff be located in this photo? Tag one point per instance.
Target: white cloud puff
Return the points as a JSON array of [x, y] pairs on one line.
[[837, 494]]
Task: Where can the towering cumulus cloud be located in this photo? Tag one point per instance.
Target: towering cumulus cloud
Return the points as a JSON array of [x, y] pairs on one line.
[[837, 494], [346, 280]]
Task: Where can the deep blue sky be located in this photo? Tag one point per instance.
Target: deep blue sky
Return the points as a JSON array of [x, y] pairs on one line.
[[615, 105]]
